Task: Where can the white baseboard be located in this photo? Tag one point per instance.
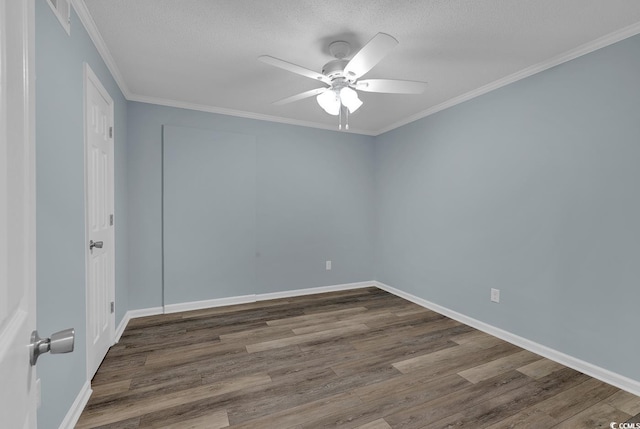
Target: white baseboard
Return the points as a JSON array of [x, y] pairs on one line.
[[244, 299], [208, 303], [233, 300], [132, 314], [620, 381], [73, 415], [313, 290]]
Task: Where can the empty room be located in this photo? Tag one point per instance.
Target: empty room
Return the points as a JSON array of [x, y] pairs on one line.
[[295, 214]]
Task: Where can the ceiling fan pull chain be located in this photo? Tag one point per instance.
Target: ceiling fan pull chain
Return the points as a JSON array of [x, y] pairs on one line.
[[347, 114], [340, 119]]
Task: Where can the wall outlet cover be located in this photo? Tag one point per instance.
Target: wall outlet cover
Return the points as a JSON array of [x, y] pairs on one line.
[[495, 295]]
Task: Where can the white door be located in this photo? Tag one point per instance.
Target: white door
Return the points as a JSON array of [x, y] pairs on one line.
[[17, 214], [99, 210]]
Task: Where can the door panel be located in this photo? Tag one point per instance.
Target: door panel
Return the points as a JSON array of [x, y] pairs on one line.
[[99, 200], [17, 215]]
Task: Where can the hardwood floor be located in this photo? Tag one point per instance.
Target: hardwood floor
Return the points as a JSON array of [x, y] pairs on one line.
[[360, 359]]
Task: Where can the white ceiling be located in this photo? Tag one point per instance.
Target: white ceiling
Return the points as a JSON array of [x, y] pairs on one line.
[[204, 53]]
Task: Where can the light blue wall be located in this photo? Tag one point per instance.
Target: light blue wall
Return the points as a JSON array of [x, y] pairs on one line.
[[60, 202], [209, 215], [314, 203], [532, 189], [314, 200]]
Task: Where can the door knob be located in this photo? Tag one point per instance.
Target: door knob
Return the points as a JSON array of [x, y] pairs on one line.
[[93, 244], [60, 342]]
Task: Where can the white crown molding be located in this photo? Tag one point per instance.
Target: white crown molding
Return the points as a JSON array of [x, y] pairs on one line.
[[96, 37], [572, 54], [101, 46], [73, 415], [610, 377], [239, 113]]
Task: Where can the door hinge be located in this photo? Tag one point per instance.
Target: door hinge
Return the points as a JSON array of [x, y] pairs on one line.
[[110, 132], [113, 306], [111, 220]]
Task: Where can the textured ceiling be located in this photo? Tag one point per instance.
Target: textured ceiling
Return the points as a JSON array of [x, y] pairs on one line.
[[205, 53]]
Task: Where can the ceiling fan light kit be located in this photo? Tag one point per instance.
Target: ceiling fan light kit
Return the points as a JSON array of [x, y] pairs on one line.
[[330, 102], [350, 100], [341, 77]]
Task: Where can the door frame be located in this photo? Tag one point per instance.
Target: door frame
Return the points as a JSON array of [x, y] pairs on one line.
[[90, 77]]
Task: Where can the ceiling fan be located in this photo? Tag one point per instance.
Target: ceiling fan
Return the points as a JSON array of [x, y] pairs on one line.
[[342, 77]]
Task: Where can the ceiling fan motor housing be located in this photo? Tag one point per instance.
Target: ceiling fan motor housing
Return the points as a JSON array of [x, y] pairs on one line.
[[334, 69], [340, 49]]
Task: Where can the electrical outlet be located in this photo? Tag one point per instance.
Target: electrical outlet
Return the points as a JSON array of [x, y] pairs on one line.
[[495, 295], [328, 265]]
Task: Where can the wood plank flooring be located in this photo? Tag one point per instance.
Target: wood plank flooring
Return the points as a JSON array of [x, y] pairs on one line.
[[361, 359]]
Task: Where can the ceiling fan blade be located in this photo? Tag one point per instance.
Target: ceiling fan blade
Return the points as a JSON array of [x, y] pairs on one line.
[[391, 86], [300, 96], [370, 55], [294, 68]]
